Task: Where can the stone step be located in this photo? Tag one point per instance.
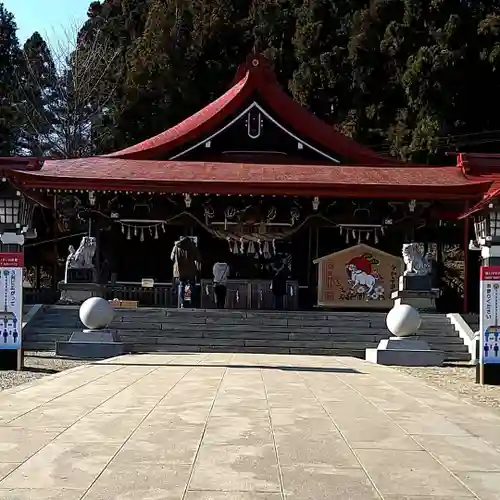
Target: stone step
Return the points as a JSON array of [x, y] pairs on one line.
[[174, 330], [54, 333], [342, 351], [141, 312], [258, 337], [249, 350], [73, 320]]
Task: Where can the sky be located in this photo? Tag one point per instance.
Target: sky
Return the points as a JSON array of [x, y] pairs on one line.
[[53, 19]]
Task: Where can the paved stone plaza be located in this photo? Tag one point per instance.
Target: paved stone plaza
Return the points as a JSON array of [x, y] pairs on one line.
[[243, 427]]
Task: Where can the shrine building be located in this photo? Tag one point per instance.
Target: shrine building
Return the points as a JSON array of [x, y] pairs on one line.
[[254, 177]]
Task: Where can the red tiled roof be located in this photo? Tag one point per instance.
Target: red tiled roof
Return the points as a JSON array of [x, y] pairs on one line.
[[20, 162], [492, 193], [255, 77], [225, 178]]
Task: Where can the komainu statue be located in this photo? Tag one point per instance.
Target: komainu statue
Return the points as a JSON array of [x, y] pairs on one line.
[[82, 257], [416, 263]]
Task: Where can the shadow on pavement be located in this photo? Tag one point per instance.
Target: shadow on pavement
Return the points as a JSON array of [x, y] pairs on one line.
[[318, 369]]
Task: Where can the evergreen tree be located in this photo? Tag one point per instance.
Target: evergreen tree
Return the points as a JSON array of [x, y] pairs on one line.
[[9, 61], [322, 80], [116, 24], [411, 77], [156, 67], [273, 26], [37, 88]]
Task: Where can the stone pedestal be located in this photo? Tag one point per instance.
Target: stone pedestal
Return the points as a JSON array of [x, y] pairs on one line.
[[77, 293], [416, 291], [92, 344], [404, 352]]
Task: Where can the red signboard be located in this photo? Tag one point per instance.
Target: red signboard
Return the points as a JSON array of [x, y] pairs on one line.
[[11, 259], [490, 273]]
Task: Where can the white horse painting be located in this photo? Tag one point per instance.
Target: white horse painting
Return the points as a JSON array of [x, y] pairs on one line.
[[361, 279]]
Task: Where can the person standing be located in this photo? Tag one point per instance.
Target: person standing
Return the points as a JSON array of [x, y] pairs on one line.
[[278, 285], [186, 258], [221, 274]]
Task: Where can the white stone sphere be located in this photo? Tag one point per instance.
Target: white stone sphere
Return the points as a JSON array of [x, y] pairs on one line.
[[403, 320], [96, 313]]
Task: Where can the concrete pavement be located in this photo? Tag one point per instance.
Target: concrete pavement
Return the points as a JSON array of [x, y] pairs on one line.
[[243, 427]]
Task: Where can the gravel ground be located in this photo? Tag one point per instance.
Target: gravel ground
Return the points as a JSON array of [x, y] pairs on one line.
[[36, 365], [460, 380]]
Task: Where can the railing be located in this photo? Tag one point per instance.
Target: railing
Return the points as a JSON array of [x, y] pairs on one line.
[[249, 294], [44, 296], [241, 294], [161, 295]]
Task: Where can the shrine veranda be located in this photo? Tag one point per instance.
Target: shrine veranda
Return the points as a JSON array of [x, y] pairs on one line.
[[254, 177]]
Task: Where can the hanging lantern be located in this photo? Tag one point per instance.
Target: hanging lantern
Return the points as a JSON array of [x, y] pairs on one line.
[[354, 234], [367, 235], [142, 234], [123, 229], [359, 237], [341, 230], [156, 232], [347, 236], [163, 226], [129, 233], [135, 230], [375, 237]]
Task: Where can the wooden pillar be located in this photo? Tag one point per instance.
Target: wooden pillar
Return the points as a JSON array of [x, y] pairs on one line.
[[309, 255], [316, 249], [466, 260], [55, 266]]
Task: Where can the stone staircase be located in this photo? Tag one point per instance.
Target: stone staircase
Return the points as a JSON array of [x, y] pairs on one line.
[[316, 332]]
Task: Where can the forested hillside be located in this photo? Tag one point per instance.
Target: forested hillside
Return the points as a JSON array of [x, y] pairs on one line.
[[411, 78]]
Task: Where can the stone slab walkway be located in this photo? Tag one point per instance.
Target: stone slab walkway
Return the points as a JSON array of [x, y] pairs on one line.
[[243, 427]]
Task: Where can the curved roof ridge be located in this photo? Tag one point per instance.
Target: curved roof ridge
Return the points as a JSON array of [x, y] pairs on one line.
[[191, 127], [255, 75]]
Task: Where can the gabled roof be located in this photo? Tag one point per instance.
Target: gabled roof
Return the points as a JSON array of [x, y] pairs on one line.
[[254, 78], [481, 166], [362, 247]]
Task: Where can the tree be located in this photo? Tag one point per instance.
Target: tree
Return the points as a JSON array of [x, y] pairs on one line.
[[273, 25], [118, 24], [65, 92], [38, 81], [9, 61], [322, 79], [437, 61], [412, 78]]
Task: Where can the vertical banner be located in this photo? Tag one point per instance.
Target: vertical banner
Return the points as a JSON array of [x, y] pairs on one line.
[[11, 300], [489, 298]]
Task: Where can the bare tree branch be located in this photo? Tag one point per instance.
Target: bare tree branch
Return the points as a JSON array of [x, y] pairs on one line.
[[66, 123]]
